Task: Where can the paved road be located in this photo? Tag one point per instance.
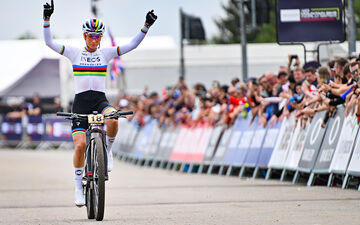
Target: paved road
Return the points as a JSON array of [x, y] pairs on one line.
[[36, 187]]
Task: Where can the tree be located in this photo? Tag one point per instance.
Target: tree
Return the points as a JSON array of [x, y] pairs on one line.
[[229, 27], [26, 35]]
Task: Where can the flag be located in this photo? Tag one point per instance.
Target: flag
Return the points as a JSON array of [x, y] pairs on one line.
[[117, 64], [192, 27]]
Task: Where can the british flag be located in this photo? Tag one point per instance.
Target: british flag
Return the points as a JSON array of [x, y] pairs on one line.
[[117, 64]]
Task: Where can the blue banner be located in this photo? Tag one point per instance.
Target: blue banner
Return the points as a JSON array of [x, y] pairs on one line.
[[268, 145], [255, 146], [238, 129], [11, 129], [244, 143]]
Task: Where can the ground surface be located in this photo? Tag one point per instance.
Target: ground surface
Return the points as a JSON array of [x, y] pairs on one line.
[[36, 187]]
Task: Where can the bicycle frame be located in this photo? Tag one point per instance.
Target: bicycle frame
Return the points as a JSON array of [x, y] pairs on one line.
[[92, 132]]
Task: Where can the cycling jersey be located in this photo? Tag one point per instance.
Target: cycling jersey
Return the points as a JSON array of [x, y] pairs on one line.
[[90, 67]]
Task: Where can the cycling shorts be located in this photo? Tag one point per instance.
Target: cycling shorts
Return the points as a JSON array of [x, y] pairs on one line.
[[86, 103]]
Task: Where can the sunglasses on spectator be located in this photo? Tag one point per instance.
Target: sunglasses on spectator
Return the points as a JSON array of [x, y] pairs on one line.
[[354, 72], [94, 36]]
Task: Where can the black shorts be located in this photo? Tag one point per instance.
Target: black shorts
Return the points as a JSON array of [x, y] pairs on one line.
[[86, 103]]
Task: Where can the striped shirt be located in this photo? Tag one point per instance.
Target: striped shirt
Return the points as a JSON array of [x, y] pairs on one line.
[[90, 68]]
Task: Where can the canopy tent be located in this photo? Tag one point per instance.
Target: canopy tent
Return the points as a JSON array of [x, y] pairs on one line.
[[43, 78]]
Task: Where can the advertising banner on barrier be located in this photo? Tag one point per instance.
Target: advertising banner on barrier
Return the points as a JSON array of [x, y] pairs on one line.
[[244, 143], [152, 144], [213, 142], [313, 143], [296, 147], [57, 129], [345, 145], [179, 149], [201, 135], [255, 146], [35, 128], [354, 165], [279, 153], [167, 143], [119, 144], [237, 130], [142, 140], [221, 149], [330, 141], [11, 129], [268, 145], [192, 141]]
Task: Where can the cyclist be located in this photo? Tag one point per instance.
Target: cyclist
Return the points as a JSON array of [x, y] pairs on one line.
[[89, 67]]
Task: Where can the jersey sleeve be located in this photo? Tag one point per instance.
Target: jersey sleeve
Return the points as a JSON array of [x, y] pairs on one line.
[[123, 49], [67, 51]]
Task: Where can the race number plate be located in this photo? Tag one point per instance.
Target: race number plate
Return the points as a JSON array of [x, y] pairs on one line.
[[96, 119]]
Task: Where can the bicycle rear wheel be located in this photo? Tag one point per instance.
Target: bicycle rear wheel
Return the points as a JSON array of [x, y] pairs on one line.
[[99, 179]]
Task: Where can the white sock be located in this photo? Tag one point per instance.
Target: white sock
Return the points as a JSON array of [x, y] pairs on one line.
[[109, 142], [78, 172]]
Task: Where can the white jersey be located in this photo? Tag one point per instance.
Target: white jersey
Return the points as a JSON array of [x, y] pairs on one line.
[[90, 67]]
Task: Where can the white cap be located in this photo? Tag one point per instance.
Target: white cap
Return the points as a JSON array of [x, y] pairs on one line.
[[123, 103]]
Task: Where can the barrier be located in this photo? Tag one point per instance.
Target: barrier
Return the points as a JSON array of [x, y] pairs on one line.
[[213, 143], [354, 164], [11, 129], [295, 150], [312, 146], [328, 146], [267, 147], [344, 148], [57, 130], [238, 129], [279, 154], [141, 141], [244, 144], [35, 128]]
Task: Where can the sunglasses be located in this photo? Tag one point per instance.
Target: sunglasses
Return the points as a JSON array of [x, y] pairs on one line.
[[354, 72], [94, 36]]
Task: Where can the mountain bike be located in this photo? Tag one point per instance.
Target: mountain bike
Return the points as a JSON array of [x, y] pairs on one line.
[[95, 160]]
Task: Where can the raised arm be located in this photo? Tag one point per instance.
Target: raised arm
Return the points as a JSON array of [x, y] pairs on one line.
[[123, 49], [48, 11]]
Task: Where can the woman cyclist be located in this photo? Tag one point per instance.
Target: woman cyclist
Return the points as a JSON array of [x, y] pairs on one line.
[[89, 67]]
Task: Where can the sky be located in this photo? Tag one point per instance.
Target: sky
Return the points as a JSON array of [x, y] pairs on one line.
[[124, 17]]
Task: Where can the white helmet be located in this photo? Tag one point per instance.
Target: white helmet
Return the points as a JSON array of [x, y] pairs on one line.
[[93, 26]]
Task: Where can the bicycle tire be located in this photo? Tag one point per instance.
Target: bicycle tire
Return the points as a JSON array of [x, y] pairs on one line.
[[99, 180], [89, 201]]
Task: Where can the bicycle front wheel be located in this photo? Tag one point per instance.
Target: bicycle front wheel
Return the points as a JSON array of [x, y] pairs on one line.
[[99, 179]]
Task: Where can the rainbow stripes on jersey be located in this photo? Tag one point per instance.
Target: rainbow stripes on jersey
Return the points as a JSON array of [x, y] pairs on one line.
[[99, 71], [108, 109], [78, 131], [62, 50], [144, 31]]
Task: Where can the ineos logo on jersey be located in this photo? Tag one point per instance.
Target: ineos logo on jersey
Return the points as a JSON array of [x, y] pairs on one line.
[[90, 59]]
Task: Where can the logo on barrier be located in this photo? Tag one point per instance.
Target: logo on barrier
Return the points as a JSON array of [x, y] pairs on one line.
[[315, 132], [334, 130]]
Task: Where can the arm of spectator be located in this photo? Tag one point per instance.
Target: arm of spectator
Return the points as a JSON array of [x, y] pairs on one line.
[[340, 90]]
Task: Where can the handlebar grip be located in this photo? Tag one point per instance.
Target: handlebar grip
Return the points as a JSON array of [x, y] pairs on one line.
[[126, 113], [63, 114]]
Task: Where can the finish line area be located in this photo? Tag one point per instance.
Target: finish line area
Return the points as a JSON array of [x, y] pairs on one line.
[[36, 187]]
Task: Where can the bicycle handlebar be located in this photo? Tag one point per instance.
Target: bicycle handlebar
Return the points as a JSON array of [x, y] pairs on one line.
[[63, 114], [74, 116]]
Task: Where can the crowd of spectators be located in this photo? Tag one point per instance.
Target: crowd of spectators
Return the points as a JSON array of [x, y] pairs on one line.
[[302, 89]]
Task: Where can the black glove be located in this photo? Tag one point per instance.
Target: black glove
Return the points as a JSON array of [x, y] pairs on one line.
[[150, 18], [48, 10]]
